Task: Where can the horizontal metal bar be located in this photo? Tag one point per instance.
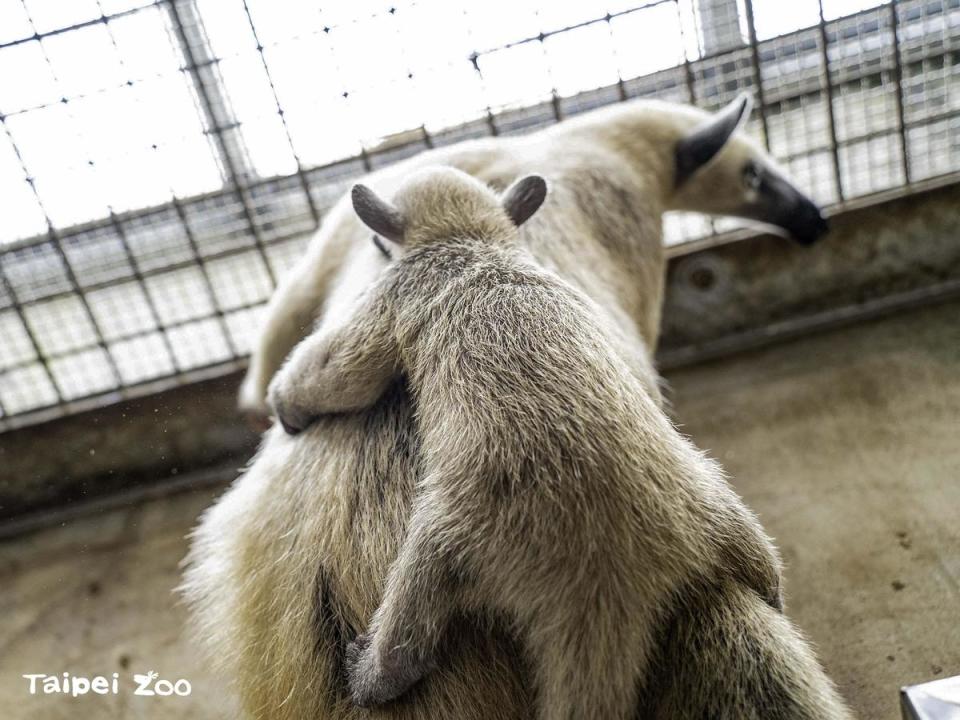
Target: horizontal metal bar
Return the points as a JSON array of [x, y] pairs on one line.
[[79, 26], [576, 26], [161, 330], [873, 199], [366, 157], [138, 389], [129, 82], [201, 65], [165, 269], [166, 207], [667, 359], [61, 515], [873, 134], [105, 18], [39, 357], [200, 261], [804, 325], [56, 242], [240, 184], [687, 248], [264, 182]]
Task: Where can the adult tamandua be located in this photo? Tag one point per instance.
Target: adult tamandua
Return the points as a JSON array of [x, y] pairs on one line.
[[291, 561]]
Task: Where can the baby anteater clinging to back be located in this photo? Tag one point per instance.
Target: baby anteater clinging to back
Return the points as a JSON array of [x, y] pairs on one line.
[[554, 492]]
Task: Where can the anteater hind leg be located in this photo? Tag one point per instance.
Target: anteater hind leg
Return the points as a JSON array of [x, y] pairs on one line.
[[728, 655]]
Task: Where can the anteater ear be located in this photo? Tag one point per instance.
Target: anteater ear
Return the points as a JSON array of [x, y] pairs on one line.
[[701, 144], [524, 198], [377, 214]]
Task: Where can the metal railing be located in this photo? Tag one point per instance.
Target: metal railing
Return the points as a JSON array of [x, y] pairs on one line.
[[143, 297]]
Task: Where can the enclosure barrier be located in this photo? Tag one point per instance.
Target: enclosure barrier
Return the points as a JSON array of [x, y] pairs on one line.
[[186, 180]]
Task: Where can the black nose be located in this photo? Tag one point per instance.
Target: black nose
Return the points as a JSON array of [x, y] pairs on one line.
[[807, 223]]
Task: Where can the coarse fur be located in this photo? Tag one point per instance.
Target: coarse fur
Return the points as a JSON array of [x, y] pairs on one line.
[[555, 492], [291, 562], [613, 174]]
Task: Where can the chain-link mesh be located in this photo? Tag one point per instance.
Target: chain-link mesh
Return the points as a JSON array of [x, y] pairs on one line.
[[153, 193]]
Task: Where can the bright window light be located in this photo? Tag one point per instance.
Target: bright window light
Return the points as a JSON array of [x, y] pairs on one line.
[[183, 150], [348, 75]]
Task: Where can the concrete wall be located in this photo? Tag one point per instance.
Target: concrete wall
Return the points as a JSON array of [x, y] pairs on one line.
[[845, 443], [721, 297]]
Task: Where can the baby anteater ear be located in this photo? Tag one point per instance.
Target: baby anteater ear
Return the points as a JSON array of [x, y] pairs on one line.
[[377, 214], [522, 199]]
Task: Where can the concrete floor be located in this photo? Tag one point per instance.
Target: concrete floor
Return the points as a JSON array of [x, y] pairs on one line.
[[95, 597], [846, 444]]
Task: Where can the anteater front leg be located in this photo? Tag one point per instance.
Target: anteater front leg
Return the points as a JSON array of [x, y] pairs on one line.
[[345, 369]]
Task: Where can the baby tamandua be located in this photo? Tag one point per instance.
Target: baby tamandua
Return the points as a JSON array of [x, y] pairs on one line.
[[554, 491]]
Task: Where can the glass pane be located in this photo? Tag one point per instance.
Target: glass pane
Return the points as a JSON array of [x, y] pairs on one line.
[[26, 79]]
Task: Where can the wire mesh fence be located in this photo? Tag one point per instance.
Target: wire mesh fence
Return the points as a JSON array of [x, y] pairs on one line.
[[163, 163]]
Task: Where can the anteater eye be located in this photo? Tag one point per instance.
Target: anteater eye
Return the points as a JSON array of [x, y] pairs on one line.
[[752, 176], [381, 247]]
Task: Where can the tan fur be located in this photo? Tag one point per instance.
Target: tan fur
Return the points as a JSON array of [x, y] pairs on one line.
[[612, 174], [554, 491], [290, 564]]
